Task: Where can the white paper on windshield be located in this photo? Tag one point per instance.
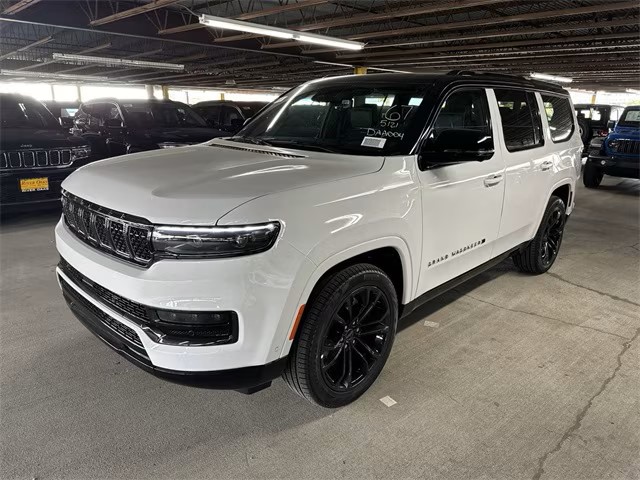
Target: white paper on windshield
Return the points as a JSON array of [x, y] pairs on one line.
[[373, 142]]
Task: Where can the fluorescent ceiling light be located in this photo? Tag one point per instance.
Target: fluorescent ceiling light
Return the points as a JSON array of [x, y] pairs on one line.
[[266, 30], [633, 90], [551, 78], [117, 62], [52, 76]]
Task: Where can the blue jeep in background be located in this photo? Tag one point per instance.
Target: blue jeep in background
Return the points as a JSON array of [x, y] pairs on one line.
[[617, 154]]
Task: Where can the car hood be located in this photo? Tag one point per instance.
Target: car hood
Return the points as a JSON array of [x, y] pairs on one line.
[[197, 185], [178, 135], [626, 132], [27, 138]]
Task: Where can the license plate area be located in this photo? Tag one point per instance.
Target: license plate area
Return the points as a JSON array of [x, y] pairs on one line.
[[39, 184]]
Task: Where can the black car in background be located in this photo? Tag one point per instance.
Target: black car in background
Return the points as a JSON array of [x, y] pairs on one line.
[[226, 115], [63, 111], [593, 119], [36, 154], [117, 127]]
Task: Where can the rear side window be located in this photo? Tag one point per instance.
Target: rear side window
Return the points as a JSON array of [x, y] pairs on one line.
[[560, 116], [520, 117]]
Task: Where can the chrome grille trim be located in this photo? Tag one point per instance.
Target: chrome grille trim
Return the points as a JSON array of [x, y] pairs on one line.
[[107, 230], [41, 158]]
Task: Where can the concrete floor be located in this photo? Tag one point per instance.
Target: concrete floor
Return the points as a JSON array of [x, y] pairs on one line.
[[517, 377]]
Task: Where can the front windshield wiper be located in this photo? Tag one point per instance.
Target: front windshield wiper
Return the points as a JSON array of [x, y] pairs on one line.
[[253, 140], [302, 145]]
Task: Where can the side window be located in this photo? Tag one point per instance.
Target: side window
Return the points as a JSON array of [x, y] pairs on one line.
[[210, 114], [560, 116], [230, 114], [615, 114], [461, 128], [520, 119]]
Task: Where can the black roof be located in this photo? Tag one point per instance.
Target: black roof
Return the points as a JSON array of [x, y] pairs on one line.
[[450, 78], [138, 101]]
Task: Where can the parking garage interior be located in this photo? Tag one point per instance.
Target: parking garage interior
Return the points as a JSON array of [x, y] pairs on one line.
[[504, 376]]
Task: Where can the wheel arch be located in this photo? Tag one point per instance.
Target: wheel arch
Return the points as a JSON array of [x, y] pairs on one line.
[[390, 254]]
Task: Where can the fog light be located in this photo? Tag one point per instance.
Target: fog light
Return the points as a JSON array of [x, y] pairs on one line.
[[193, 318], [602, 162]]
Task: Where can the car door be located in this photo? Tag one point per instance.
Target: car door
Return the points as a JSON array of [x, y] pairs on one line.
[[461, 202], [529, 165]]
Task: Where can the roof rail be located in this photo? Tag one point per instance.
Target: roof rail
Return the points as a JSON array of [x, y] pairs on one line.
[[471, 72]]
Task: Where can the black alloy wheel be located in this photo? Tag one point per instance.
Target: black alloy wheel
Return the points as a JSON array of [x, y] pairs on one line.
[[539, 255], [345, 336], [552, 237], [356, 338]]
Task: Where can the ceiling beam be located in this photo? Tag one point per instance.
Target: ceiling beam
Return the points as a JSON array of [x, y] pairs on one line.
[[280, 9], [524, 17], [81, 52], [27, 47], [153, 5], [408, 54], [19, 6], [135, 55], [373, 17], [559, 27]]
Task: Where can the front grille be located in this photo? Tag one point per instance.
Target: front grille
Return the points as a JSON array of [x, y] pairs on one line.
[[628, 147], [112, 232], [119, 328], [26, 159]]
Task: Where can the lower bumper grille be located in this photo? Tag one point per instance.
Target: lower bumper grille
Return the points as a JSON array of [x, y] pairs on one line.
[[221, 333], [113, 324]]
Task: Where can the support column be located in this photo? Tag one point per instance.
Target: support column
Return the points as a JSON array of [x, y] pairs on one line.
[[165, 92], [79, 93], [593, 98], [221, 95], [149, 89], [360, 70]]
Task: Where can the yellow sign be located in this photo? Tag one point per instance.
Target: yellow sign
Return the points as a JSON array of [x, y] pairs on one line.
[[34, 184]]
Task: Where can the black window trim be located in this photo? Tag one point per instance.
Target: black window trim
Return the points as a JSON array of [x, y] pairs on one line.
[[432, 120], [573, 117], [526, 90]]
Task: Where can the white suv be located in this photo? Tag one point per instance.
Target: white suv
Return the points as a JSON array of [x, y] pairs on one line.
[[293, 247]]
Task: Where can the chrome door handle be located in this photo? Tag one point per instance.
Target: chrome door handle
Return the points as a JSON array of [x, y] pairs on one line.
[[546, 165], [492, 180]]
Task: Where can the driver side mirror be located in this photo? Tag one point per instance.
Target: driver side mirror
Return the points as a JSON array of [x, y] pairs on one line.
[[454, 146], [611, 124]]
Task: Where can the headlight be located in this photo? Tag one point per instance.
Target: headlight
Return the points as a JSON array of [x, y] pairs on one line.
[[172, 144], [613, 144], [80, 152], [211, 242]]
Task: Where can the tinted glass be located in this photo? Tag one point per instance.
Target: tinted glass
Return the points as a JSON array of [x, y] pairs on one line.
[[230, 114], [466, 110], [210, 113], [160, 115], [520, 119], [630, 118], [362, 119], [560, 116], [23, 113]]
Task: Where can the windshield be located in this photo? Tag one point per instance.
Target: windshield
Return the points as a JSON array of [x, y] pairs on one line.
[[357, 118], [22, 113], [630, 118], [161, 115]]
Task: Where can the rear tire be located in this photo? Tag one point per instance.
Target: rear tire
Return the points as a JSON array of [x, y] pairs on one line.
[[540, 254], [585, 131], [592, 175], [345, 337]]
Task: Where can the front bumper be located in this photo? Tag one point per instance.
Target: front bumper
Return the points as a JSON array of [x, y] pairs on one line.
[[123, 341], [616, 166], [260, 288]]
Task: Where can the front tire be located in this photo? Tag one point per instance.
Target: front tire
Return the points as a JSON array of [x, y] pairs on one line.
[[345, 337], [541, 253], [592, 176]]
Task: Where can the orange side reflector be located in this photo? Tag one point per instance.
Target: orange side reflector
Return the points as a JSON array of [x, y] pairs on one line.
[[292, 335]]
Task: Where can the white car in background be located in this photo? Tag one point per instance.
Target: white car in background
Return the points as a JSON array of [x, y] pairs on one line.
[[293, 247]]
